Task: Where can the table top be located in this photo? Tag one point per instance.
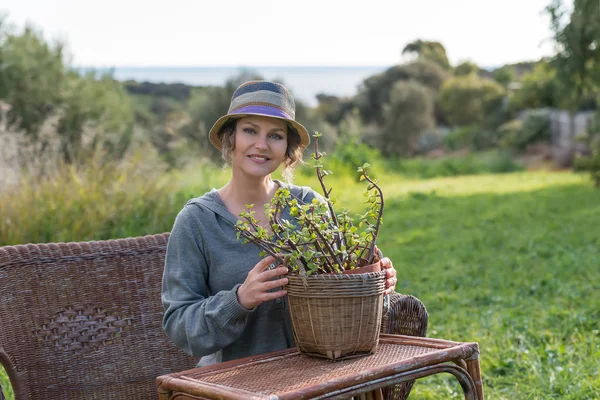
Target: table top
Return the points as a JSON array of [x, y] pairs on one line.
[[288, 372]]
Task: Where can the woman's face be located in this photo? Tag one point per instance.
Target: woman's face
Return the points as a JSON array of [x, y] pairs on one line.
[[260, 145]]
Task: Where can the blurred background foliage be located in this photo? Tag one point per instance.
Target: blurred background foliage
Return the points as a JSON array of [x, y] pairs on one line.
[[424, 109]]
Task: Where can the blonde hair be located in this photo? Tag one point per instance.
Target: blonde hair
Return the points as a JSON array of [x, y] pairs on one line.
[[293, 153]]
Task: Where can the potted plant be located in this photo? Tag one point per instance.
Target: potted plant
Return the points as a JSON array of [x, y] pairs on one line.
[[335, 287]]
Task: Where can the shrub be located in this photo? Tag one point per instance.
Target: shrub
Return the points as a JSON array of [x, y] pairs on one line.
[[469, 100], [472, 137], [466, 68], [517, 134], [470, 164], [591, 163], [540, 88], [537, 127], [100, 200], [509, 133], [377, 89], [407, 115], [350, 154]]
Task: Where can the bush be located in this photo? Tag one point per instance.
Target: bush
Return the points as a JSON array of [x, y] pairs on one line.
[[470, 100], [430, 140], [540, 88], [466, 68], [517, 134], [471, 164], [407, 115], [46, 97], [472, 137], [178, 91], [101, 200], [509, 133], [376, 90], [350, 154], [537, 126], [591, 163]]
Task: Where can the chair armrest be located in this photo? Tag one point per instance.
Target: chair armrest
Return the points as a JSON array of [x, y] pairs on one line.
[[406, 315]]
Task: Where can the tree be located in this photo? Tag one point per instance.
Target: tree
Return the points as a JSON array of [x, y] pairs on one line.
[[31, 77], [504, 75], [205, 107], [577, 61], [408, 114], [539, 88], [333, 109], [376, 89], [468, 100], [432, 51], [92, 112], [466, 68], [96, 114]]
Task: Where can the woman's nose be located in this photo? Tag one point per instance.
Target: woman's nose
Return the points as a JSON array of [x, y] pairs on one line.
[[261, 142]]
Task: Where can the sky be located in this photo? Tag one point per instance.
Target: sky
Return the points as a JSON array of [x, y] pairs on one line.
[[113, 33]]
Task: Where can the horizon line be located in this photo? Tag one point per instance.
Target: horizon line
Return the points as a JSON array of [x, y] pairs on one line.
[[251, 67], [238, 66]]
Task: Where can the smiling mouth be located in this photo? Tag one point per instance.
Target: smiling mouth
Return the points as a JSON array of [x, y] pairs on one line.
[[259, 158]]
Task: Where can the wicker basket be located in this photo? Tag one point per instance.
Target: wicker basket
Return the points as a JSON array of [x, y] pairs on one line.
[[336, 316]]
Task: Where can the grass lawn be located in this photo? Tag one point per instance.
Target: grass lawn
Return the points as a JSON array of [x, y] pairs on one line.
[[510, 261]]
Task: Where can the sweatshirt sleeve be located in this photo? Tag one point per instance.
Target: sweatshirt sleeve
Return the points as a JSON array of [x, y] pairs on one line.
[[197, 323]]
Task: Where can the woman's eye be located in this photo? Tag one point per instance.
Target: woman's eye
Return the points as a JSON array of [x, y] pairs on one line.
[[276, 136], [249, 130]]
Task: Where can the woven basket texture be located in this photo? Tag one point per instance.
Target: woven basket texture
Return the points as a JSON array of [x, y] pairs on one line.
[[407, 316], [336, 316]]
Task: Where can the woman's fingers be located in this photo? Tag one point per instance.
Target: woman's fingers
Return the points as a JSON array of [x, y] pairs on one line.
[[264, 264], [390, 274], [268, 285], [275, 272], [390, 285], [257, 287], [272, 295]]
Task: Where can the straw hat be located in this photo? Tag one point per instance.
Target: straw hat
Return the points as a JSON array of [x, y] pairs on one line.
[[268, 99]]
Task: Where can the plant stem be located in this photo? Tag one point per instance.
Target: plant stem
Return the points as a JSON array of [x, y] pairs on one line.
[[378, 223], [326, 193], [327, 245]]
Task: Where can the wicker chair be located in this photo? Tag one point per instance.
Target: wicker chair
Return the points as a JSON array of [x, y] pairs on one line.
[[83, 320]]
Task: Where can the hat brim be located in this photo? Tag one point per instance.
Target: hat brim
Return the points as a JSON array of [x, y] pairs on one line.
[[213, 134]]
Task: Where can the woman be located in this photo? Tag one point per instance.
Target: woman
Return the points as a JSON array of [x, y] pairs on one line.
[[222, 301]]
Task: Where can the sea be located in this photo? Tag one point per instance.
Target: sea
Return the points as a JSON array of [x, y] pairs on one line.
[[304, 82]]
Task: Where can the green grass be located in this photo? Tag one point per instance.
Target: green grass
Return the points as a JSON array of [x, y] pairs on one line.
[[508, 260], [5, 384]]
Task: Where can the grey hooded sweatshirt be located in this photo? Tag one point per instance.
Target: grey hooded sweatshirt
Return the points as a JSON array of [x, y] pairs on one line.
[[205, 265]]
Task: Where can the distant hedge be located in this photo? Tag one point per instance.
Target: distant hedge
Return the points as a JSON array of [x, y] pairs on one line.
[[177, 91]]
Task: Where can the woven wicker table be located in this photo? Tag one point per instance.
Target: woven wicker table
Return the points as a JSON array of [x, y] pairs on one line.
[[288, 374]]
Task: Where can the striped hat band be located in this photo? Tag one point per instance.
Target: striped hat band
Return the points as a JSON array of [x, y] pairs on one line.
[[262, 98]]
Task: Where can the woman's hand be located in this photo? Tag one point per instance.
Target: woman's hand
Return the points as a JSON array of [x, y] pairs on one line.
[[255, 289], [390, 274]]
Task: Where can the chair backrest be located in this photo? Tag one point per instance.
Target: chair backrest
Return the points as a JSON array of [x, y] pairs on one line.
[[83, 320]]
